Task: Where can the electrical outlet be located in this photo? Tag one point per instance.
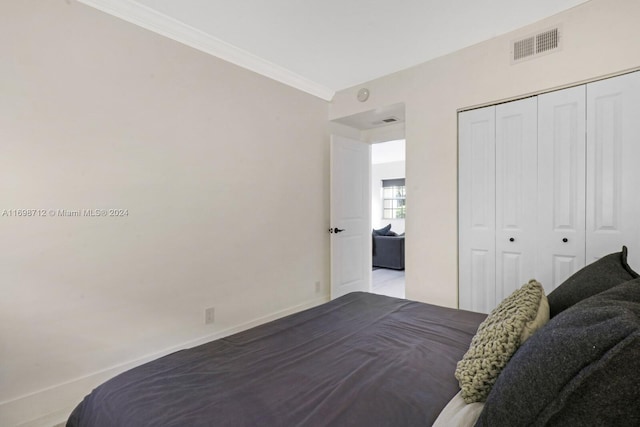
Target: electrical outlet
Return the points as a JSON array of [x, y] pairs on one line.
[[209, 315], [318, 287]]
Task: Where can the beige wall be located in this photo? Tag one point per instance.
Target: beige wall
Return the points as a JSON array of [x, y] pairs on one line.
[[599, 37], [224, 174]]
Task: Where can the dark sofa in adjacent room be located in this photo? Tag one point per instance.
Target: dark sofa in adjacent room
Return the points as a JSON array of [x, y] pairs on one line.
[[388, 249]]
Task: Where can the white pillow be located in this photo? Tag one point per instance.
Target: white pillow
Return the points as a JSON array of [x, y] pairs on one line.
[[457, 413]]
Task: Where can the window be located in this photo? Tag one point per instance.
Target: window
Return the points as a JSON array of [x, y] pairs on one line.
[[393, 198]]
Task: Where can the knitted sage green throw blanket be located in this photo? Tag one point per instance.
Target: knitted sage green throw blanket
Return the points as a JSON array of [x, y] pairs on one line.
[[498, 337]]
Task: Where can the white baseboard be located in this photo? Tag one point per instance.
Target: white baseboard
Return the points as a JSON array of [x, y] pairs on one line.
[[52, 406]]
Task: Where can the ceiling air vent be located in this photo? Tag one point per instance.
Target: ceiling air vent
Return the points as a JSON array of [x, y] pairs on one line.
[[535, 45], [386, 121], [523, 48], [547, 40]]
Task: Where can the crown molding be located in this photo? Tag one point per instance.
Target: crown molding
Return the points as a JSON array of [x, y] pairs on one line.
[[167, 26]]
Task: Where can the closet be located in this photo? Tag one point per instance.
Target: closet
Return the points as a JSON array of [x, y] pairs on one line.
[[546, 185]]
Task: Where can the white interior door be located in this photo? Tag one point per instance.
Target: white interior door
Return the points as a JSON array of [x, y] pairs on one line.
[[350, 216], [561, 185], [516, 189]]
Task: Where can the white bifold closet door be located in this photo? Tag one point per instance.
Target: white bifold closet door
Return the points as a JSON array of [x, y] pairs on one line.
[[613, 167], [516, 189], [561, 186], [476, 181], [561, 191]]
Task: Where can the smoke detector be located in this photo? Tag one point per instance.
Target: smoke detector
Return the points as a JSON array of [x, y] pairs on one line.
[[363, 94]]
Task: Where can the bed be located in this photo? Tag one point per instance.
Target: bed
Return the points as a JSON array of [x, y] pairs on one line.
[[371, 360], [356, 360]]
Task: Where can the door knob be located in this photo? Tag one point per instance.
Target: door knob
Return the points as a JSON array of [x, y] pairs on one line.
[[511, 239], [336, 230], [565, 240]]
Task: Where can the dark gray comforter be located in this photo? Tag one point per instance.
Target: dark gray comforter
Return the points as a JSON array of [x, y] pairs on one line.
[[359, 360]]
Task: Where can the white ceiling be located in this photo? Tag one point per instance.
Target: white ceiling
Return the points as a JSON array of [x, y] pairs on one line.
[[324, 46], [390, 151]]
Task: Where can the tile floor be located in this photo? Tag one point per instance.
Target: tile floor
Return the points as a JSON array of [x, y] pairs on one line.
[[388, 282]]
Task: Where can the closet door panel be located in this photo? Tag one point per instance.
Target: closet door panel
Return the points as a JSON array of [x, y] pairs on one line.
[[613, 175], [516, 186], [511, 274], [561, 185], [476, 206], [562, 268]]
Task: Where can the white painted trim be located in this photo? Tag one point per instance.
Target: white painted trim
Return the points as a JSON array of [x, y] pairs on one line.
[[152, 20], [57, 402]]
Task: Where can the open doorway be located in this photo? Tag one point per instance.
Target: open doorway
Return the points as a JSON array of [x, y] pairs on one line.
[[382, 128], [388, 213]]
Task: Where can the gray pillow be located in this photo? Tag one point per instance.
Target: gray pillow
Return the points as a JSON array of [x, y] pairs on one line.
[[382, 231], [596, 277], [582, 368]]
